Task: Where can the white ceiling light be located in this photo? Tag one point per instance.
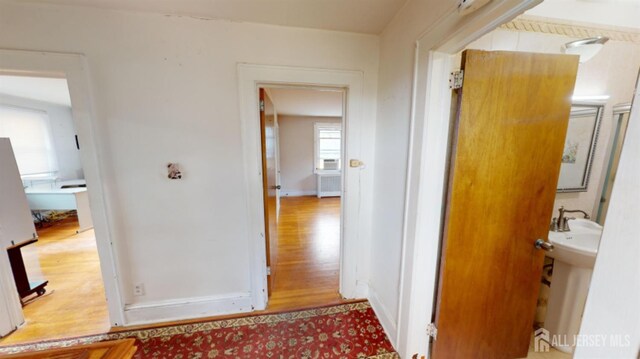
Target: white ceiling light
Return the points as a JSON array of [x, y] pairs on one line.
[[585, 48]]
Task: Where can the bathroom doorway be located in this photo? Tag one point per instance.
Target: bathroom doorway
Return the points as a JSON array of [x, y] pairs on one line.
[[600, 108], [521, 35], [588, 155]]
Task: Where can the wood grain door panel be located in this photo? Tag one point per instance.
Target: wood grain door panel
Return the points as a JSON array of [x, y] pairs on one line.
[[269, 177], [511, 122]]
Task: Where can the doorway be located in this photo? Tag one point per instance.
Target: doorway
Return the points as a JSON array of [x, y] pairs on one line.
[[596, 125], [302, 160], [355, 180], [55, 264], [431, 148]]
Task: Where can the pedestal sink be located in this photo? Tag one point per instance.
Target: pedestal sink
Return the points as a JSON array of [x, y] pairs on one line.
[[574, 256]]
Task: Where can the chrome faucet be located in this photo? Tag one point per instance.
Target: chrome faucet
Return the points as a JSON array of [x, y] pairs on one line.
[[561, 224]]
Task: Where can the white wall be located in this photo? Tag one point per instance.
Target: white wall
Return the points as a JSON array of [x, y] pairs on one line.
[[296, 153], [612, 312], [307, 102], [612, 13], [397, 44], [612, 72], [63, 133], [165, 90]]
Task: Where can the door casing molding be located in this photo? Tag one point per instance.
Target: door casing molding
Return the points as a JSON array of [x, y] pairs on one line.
[[74, 68], [352, 246], [428, 163]]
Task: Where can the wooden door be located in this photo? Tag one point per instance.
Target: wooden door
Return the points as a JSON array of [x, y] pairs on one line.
[[511, 121], [269, 185]]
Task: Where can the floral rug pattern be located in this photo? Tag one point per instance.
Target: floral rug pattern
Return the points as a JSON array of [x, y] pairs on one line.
[[343, 331]]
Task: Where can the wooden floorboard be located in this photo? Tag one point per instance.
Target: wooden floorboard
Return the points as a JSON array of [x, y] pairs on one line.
[[306, 273], [307, 269], [75, 303]]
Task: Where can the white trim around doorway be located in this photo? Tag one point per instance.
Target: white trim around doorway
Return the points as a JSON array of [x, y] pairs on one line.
[[353, 258], [74, 68]]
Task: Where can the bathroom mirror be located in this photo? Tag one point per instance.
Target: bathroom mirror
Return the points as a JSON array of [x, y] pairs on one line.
[[580, 145]]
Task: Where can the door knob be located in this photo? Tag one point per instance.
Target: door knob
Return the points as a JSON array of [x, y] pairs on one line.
[[544, 245], [277, 187]]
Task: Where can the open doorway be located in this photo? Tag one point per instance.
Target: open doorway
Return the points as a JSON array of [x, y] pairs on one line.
[[56, 269], [353, 260], [590, 122], [302, 158], [605, 82]]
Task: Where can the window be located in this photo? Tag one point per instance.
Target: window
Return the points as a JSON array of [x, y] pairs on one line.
[[328, 146], [30, 136]]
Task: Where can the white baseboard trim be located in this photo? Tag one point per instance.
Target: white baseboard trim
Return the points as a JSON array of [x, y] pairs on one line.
[[187, 308], [362, 290], [332, 194], [297, 193], [388, 324]]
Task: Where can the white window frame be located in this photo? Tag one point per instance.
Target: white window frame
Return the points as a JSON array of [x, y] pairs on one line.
[[316, 145]]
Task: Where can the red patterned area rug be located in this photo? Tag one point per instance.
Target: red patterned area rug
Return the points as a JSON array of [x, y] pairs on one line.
[[342, 331]]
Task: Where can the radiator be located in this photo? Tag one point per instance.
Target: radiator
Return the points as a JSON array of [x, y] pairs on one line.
[[329, 184]]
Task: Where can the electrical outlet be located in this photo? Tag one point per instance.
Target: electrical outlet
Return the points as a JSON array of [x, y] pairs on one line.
[[138, 290]]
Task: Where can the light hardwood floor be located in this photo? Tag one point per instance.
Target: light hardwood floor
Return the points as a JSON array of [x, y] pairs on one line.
[[308, 254], [75, 303]]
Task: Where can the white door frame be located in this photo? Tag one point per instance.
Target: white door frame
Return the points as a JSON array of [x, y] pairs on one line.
[[74, 68], [428, 163], [352, 248]]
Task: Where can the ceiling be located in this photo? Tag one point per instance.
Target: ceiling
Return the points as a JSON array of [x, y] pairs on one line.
[[306, 102], [363, 16], [36, 88], [624, 13]]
